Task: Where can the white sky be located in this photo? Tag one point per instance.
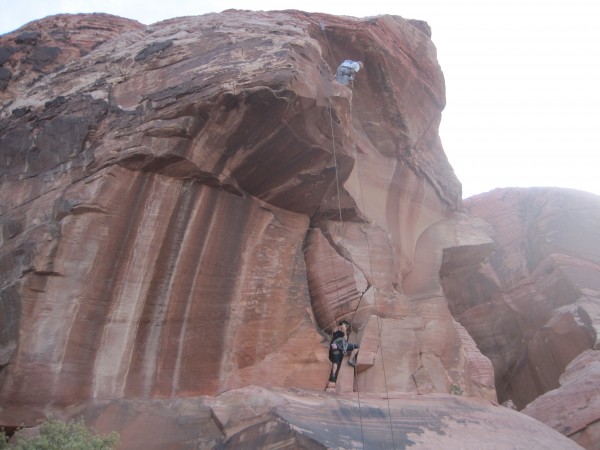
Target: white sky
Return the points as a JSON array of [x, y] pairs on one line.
[[522, 77]]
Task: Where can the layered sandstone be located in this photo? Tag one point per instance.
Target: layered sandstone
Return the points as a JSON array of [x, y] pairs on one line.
[[44, 46], [170, 199], [573, 408], [534, 306], [539, 292], [254, 417], [188, 208]]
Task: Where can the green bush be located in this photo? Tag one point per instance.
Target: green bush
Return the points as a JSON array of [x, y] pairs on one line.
[[3, 440], [456, 389], [73, 435]]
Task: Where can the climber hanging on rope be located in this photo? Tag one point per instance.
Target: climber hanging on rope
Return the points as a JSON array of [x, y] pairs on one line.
[[347, 71], [338, 347]]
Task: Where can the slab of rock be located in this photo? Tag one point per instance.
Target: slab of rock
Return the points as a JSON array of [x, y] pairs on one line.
[[533, 306], [573, 408], [255, 417], [36, 50]]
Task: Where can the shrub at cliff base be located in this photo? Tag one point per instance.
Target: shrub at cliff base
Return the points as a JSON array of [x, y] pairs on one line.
[[55, 435]]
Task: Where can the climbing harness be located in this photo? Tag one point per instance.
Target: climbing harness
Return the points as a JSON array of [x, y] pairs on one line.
[[340, 344], [322, 26]]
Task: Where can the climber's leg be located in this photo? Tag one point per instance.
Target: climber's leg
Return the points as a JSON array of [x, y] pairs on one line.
[[335, 356], [353, 352]]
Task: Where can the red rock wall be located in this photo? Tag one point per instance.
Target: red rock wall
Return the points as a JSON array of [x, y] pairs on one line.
[[188, 208], [533, 307], [172, 203], [163, 288], [573, 409]]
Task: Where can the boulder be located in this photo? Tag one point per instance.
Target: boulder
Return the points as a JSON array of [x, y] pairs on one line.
[[573, 408], [532, 307], [255, 417]]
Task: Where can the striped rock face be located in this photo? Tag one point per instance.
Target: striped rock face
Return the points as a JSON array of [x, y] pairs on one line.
[[533, 307], [190, 207], [257, 417]]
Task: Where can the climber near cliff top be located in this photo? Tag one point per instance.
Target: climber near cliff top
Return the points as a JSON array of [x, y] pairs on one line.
[[347, 71], [338, 347]]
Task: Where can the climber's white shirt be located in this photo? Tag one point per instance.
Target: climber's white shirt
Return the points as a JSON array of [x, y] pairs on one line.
[[351, 64]]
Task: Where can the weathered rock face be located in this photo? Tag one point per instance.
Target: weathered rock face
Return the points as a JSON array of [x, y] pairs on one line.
[[255, 417], [534, 306], [42, 47], [574, 408], [188, 208], [173, 201]]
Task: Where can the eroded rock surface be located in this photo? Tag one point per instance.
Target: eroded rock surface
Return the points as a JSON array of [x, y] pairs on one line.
[[254, 417], [41, 48], [573, 409], [534, 306], [189, 208], [159, 193]]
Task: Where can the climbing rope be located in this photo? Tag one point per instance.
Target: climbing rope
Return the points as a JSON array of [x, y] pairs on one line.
[[337, 181], [337, 184], [362, 197], [322, 26], [373, 286]]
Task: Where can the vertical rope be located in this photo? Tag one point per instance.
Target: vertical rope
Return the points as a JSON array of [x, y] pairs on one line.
[[337, 183], [322, 25], [362, 198], [336, 287], [348, 296]]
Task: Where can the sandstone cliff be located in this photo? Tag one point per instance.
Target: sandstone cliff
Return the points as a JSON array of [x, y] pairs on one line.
[[534, 306], [187, 209]]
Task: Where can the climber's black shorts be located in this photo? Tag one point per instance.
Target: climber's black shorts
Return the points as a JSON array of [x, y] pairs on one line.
[[336, 356]]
